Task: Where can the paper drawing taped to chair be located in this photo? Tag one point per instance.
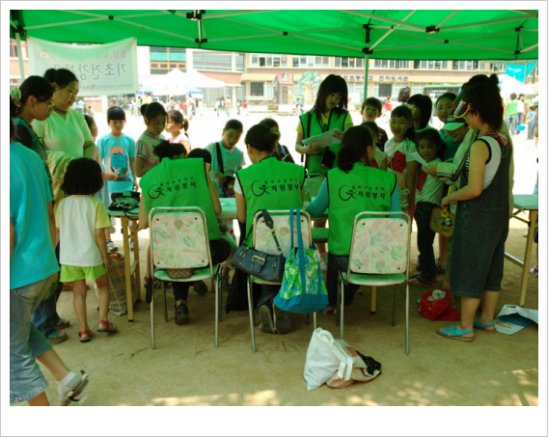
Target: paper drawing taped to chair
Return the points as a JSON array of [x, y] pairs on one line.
[[188, 229], [380, 246]]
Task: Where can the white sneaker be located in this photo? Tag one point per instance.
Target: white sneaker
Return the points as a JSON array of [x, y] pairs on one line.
[[71, 387], [323, 261]]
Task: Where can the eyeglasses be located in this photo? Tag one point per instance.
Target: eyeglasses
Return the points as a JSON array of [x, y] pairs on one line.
[[462, 109]]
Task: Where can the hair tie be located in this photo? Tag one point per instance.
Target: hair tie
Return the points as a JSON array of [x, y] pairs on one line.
[[15, 94]]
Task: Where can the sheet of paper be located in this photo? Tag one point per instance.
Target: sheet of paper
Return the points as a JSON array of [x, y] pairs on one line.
[[325, 139]]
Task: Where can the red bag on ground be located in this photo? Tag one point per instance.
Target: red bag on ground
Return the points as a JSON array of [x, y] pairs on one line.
[[438, 305]]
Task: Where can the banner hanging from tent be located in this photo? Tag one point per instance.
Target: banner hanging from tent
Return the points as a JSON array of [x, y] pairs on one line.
[[520, 71], [102, 69]]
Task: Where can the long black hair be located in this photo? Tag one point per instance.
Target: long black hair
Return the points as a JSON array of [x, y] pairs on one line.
[[424, 103], [61, 76], [482, 93], [36, 86], [355, 142], [331, 84]]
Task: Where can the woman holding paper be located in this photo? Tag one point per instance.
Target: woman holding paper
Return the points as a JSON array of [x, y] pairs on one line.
[[328, 120], [329, 114]]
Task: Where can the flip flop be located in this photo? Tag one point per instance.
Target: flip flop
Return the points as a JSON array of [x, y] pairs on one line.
[[455, 333], [485, 326]]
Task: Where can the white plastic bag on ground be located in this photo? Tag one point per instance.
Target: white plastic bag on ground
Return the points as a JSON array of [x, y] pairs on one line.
[[335, 362]]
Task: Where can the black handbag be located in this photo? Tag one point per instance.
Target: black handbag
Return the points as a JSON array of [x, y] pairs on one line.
[[258, 263], [124, 201]]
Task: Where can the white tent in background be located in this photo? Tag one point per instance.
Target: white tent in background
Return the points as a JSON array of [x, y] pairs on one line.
[[509, 85], [196, 79], [177, 83]]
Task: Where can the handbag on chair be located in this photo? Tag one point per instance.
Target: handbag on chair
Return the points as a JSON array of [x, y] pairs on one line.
[[258, 263], [303, 289]]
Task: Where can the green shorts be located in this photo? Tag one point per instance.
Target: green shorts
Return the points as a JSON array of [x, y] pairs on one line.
[[76, 273]]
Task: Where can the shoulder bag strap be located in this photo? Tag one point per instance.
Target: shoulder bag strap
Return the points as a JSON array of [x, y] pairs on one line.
[[300, 251], [220, 158], [308, 125], [270, 223]]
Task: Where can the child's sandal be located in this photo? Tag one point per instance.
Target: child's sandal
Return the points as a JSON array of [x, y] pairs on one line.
[[85, 335], [106, 326]]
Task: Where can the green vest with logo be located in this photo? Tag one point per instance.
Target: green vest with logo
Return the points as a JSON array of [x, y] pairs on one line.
[[312, 126], [180, 182], [270, 184], [363, 188]]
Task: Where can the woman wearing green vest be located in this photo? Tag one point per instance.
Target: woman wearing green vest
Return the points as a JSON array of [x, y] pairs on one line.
[[329, 112], [267, 184], [353, 187], [183, 182]]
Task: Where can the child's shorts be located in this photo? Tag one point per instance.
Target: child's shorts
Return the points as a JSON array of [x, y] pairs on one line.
[[76, 273]]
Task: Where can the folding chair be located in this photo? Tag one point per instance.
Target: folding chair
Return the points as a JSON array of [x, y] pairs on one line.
[[179, 240], [379, 256], [263, 240]]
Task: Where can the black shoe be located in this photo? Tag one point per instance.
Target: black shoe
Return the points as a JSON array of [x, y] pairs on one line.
[[200, 288], [181, 314], [267, 323], [282, 322], [149, 287]]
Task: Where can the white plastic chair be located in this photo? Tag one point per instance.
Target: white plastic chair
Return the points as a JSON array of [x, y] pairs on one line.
[[379, 256], [263, 241], [179, 240]]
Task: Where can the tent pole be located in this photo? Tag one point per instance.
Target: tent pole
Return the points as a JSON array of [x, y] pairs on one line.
[[20, 56], [366, 76]]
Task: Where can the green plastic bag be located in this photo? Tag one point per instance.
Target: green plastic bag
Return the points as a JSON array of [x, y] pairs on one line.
[[303, 289]]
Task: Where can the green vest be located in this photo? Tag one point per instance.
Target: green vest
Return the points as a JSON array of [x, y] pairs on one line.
[[270, 184], [180, 182], [363, 188], [336, 120]]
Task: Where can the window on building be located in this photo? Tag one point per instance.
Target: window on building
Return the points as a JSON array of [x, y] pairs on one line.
[[498, 67], [295, 62], [465, 65], [430, 65], [385, 90], [256, 89]]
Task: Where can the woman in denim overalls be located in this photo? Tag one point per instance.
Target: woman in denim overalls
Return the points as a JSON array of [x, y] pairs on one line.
[[482, 214]]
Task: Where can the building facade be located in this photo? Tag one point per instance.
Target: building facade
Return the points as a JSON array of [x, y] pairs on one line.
[[262, 78]]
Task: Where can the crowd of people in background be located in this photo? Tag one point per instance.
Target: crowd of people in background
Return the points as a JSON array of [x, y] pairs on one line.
[[62, 179]]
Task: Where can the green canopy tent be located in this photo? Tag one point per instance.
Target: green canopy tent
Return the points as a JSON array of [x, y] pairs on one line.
[[423, 34], [380, 34]]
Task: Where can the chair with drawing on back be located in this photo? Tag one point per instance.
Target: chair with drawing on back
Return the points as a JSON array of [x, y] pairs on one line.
[[379, 257], [264, 241], [180, 252]]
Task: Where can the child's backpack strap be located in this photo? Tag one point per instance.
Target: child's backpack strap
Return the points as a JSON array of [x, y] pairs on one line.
[[220, 158]]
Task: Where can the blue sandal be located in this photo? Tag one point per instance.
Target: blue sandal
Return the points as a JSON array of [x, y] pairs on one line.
[[486, 326], [455, 333]]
